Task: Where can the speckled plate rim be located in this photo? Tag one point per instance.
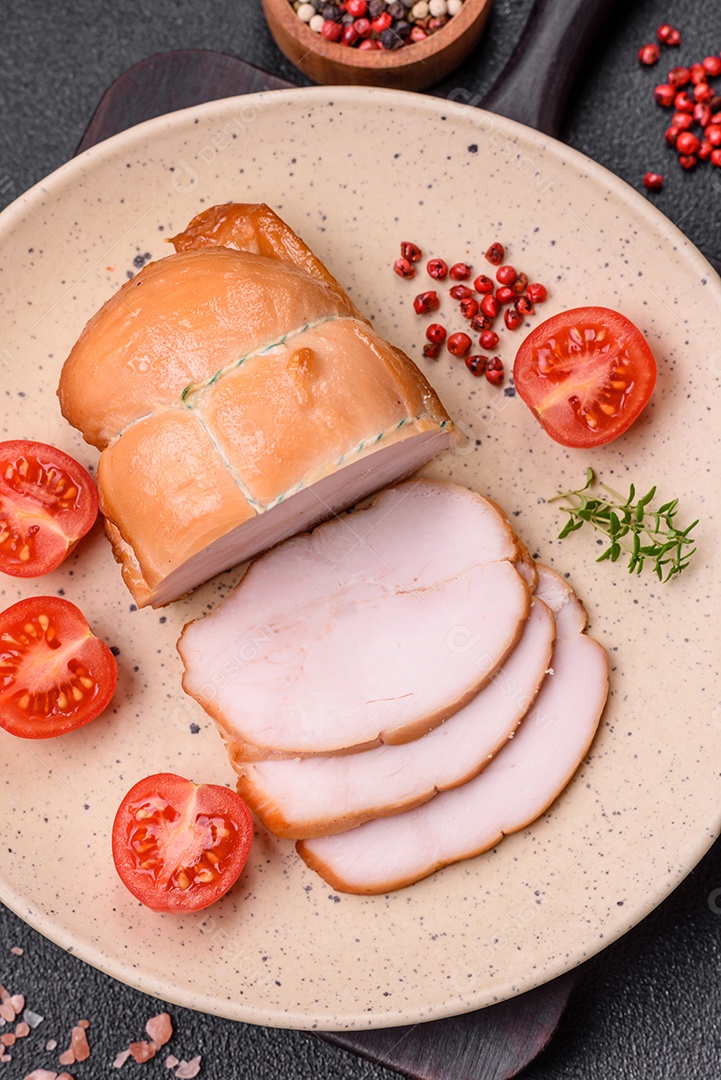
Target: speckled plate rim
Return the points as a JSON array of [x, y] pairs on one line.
[[706, 831]]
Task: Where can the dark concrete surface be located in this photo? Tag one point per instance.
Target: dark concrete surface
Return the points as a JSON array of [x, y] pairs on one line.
[[649, 1007]]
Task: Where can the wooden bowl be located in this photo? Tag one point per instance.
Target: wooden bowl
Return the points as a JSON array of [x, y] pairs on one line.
[[412, 67]]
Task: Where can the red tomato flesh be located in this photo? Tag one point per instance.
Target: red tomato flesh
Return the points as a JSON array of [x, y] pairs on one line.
[[586, 374], [55, 675], [179, 846], [47, 503]]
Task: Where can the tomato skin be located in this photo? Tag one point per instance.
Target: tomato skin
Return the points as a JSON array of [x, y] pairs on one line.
[[586, 374], [48, 502], [55, 675], [178, 846]]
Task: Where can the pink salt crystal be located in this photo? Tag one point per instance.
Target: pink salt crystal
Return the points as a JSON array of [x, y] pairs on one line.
[[84, 1024], [121, 1059], [142, 1051], [16, 950], [7, 1012], [32, 1019], [171, 1061], [67, 1057], [18, 1002], [6, 1057], [51, 1044], [78, 1045], [188, 1069], [4, 995], [160, 1029], [8, 1039], [63, 1076], [22, 1029], [42, 1074]]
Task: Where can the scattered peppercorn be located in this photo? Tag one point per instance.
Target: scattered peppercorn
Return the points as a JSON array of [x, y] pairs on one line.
[[667, 35], [479, 305], [536, 293], [404, 268], [494, 371], [649, 54], [476, 364], [695, 103], [504, 294], [436, 333], [459, 344], [483, 284], [411, 251], [460, 271], [437, 269], [495, 254], [425, 302], [490, 306]]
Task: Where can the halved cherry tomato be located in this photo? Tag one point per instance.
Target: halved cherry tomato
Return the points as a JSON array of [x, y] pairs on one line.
[[47, 503], [179, 846], [55, 675], [586, 374]]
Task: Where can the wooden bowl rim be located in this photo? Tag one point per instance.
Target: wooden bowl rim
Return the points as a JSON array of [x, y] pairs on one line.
[[407, 56]]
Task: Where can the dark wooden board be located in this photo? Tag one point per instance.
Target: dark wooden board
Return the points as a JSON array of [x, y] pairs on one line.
[[490, 1044]]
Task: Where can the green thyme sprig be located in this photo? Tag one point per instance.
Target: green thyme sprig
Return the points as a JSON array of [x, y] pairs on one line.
[[632, 526]]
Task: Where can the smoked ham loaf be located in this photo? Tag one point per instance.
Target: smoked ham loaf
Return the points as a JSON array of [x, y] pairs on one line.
[[238, 397]]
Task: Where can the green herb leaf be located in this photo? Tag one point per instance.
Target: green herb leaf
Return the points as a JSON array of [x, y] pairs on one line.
[[652, 534]]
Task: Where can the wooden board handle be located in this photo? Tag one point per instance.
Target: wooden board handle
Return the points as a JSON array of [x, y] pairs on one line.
[[535, 83]]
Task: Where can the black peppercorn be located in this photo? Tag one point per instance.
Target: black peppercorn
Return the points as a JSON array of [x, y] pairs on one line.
[[402, 29], [331, 12], [376, 8], [390, 39], [397, 10]]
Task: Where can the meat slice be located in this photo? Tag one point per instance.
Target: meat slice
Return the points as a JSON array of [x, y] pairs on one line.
[[516, 787], [374, 628], [314, 796]]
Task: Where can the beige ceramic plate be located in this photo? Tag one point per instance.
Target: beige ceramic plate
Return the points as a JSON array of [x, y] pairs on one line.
[[355, 173]]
